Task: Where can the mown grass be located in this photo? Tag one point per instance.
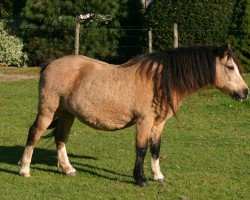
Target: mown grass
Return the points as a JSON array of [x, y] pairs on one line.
[[204, 155]]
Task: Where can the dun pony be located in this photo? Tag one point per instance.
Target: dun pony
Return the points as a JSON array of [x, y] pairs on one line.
[[145, 91]]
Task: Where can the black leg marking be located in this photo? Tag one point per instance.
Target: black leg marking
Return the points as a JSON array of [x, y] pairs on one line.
[[155, 148], [139, 176], [155, 152]]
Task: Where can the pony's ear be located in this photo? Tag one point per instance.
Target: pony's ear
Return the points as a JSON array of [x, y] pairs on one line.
[[225, 48], [222, 51]]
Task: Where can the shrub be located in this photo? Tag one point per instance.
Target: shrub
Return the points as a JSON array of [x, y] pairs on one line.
[[11, 47]]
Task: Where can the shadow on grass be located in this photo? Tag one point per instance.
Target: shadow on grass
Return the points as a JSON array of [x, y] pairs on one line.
[[12, 154], [90, 169]]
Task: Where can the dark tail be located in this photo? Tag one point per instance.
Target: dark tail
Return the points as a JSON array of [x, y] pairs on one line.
[[53, 123], [58, 131], [51, 126], [45, 64]]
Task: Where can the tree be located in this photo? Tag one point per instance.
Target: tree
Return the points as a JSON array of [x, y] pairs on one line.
[[132, 41], [200, 22], [49, 27], [11, 7], [240, 34]]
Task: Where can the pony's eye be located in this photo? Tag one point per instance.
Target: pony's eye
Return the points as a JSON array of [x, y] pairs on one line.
[[230, 67]]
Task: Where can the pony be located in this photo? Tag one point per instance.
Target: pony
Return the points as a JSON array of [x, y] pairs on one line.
[[145, 91]]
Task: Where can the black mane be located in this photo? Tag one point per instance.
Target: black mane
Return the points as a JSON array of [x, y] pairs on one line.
[[181, 70]]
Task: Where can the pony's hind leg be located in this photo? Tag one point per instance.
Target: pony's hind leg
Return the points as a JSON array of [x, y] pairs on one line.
[[39, 126], [155, 144], [48, 106], [61, 133]]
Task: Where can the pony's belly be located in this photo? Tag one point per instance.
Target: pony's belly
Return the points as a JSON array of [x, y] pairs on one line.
[[104, 118], [108, 124], [102, 106]]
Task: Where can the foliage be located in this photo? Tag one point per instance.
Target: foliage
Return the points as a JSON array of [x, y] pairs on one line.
[[49, 27], [240, 34], [132, 41], [11, 7], [199, 22], [11, 46], [204, 155]]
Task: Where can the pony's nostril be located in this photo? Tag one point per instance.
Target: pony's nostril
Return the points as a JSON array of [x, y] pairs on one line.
[[236, 96], [245, 92]]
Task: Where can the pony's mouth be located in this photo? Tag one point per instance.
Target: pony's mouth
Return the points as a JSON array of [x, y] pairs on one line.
[[239, 97]]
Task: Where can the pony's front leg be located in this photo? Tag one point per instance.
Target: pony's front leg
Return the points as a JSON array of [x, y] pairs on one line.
[[143, 129], [155, 145]]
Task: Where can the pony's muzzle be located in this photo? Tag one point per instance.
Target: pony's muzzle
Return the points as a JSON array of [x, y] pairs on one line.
[[246, 92], [241, 95]]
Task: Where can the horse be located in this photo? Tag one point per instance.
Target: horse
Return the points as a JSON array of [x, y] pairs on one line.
[[145, 91]]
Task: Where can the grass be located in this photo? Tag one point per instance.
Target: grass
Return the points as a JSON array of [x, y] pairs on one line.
[[204, 155], [20, 70]]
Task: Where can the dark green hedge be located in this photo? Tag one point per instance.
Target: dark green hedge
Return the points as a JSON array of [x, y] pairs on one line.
[[49, 26], [199, 22], [202, 22], [240, 32]]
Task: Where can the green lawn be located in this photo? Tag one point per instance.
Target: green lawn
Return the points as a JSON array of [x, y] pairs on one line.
[[204, 155]]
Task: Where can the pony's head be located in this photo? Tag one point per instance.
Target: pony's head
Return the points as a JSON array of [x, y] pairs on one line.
[[228, 74]]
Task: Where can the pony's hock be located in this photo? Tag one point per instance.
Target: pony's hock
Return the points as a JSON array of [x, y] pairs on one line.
[[145, 91]]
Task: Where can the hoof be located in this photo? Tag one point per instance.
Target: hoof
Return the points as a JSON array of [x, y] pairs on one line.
[[141, 183], [25, 174], [69, 173], [160, 181], [72, 173]]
